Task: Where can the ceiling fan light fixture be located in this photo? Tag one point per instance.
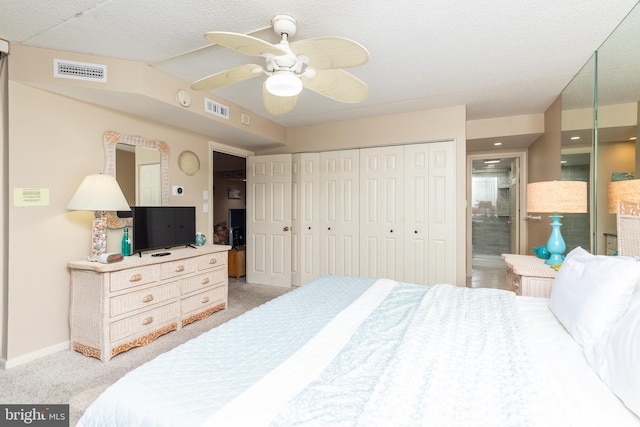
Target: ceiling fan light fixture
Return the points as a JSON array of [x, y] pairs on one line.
[[284, 83]]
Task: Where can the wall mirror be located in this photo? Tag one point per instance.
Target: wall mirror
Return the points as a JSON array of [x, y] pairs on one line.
[[141, 167], [601, 104]]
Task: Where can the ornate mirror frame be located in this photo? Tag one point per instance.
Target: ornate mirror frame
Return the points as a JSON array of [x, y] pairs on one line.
[[111, 139]]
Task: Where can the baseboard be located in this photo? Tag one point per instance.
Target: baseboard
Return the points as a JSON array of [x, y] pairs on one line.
[[30, 357]]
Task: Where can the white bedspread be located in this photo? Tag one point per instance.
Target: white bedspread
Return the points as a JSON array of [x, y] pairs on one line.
[[396, 354]]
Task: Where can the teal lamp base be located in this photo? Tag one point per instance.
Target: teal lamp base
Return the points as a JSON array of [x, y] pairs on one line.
[[555, 245]]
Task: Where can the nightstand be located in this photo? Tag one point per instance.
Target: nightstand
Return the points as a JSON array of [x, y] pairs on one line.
[[528, 275], [237, 263]]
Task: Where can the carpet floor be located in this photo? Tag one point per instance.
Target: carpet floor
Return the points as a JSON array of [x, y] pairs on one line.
[[69, 377]]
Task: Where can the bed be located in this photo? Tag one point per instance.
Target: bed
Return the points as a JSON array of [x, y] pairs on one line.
[[344, 351]]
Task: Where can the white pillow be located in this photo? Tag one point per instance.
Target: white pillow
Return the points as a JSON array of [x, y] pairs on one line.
[[592, 292], [616, 357]]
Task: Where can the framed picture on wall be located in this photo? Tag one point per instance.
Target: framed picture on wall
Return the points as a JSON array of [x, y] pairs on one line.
[[235, 193]]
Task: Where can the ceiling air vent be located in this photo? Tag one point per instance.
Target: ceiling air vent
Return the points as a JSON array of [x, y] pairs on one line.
[[66, 69], [215, 108]]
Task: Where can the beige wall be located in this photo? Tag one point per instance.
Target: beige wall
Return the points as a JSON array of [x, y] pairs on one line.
[[544, 165], [54, 142]]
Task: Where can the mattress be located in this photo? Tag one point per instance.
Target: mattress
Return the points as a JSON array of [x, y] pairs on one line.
[[347, 351]]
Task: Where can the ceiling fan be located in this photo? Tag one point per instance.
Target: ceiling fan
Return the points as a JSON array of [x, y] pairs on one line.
[[315, 64]]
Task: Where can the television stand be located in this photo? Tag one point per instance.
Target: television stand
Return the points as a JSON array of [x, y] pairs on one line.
[[118, 306]]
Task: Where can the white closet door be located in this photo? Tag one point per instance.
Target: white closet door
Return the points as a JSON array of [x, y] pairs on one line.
[[430, 213], [305, 211], [269, 220], [442, 212], [339, 213], [381, 212]]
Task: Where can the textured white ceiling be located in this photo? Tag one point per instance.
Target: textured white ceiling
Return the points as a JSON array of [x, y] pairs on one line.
[[500, 58]]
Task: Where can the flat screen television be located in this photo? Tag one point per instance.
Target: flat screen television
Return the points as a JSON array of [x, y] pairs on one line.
[[163, 227], [237, 224]]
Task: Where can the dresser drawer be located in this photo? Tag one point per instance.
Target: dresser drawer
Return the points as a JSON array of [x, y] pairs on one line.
[[204, 280], [177, 268], [143, 298], [205, 262], [125, 279], [203, 300], [145, 321]]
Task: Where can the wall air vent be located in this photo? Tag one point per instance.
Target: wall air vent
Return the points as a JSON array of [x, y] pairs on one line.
[[216, 108], [63, 68]]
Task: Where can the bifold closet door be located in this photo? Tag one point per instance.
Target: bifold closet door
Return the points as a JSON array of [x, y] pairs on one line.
[[429, 211], [305, 218], [339, 213], [381, 212]]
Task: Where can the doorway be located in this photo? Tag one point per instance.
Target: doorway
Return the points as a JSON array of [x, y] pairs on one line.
[[495, 208], [229, 199]]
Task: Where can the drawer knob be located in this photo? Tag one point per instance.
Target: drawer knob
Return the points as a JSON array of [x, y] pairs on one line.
[[205, 280], [136, 277], [147, 298], [147, 320], [179, 268], [205, 300], [213, 261]]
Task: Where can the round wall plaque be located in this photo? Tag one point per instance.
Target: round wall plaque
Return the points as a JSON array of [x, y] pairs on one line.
[[188, 162]]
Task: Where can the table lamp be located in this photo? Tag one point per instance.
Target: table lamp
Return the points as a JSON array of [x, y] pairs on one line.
[[98, 193], [556, 197], [622, 191]]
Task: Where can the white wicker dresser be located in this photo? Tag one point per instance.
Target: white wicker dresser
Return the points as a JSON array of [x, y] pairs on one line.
[[115, 307], [528, 275]]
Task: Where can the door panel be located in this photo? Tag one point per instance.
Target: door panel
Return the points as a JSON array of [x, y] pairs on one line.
[[381, 204], [442, 213], [305, 265], [416, 207], [339, 213], [269, 220], [429, 210]]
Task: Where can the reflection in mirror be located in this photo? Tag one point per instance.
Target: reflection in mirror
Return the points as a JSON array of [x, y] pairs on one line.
[[576, 227], [618, 89], [578, 109], [143, 174], [138, 173], [608, 87]]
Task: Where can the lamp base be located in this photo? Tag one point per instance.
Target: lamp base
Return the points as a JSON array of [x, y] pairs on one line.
[[99, 234], [555, 245]]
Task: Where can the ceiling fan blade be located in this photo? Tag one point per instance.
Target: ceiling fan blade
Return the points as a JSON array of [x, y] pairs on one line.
[[338, 85], [277, 105], [331, 52], [227, 77], [243, 43]]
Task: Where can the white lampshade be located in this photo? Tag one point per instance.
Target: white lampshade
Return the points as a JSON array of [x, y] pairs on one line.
[[626, 191], [98, 193], [557, 196], [284, 83]]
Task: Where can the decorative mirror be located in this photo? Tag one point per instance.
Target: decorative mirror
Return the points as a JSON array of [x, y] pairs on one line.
[[113, 140]]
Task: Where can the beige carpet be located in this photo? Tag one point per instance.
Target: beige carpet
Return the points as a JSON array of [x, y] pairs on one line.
[[69, 377]]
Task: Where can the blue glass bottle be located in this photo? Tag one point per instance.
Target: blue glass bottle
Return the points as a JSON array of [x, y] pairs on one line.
[[126, 243]]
